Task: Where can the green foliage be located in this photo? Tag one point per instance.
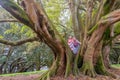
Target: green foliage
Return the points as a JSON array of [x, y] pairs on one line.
[[53, 9], [2, 59], [1, 36], [14, 29], [28, 52], [107, 7], [59, 16], [39, 53], [27, 31], [117, 28], [115, 55], [107, 34], [19, 29]]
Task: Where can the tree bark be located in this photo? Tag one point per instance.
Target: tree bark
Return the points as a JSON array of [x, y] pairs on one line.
[[106, 53], [74, 8]]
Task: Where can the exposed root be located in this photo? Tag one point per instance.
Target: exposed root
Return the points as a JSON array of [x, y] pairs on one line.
[[75, 67], [75, 70], [68, 65], [45, 76], [101, 69], [111, 74], [88, 70], [49, 73]]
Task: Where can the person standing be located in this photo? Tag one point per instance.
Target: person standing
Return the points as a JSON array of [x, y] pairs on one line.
[[74, 44]]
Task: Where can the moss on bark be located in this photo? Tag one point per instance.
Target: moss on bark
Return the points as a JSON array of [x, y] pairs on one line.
[[88, 69], [101, 69]]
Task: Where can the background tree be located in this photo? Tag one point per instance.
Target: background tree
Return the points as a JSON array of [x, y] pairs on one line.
[[20, 58]]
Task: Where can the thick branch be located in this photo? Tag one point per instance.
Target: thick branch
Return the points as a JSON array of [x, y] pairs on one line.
[[111, 18], [17, 43], [16, 11], [107, 20], [8, 20]]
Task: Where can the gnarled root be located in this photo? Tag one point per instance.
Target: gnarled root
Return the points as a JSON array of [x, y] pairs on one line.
[[101, 69], [46, 75], [75, 67], [87, 69]]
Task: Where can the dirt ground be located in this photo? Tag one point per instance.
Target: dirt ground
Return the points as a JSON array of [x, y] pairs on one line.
[[81, 77]]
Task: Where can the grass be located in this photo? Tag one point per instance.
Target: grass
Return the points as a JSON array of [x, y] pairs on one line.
[[42, 71], [116, 66], [23, 73]]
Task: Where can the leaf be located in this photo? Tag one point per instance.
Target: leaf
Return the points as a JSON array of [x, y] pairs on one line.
[[8, 31], [23, 29], [1, 37], [117, 27]]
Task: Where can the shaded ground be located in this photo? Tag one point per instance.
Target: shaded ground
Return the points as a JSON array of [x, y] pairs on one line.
[[81, 77]]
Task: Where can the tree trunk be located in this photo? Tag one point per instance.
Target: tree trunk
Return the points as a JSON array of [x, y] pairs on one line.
[[93, 42], [105, 54], [74, 8]]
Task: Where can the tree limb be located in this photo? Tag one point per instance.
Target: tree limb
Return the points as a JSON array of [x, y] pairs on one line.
[[8, 20], [16, 11], [20, 42], [111, 18], [112, 38]]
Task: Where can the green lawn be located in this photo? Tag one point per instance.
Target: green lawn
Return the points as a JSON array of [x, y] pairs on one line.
[[24, 73], [39, 72], [116, 66]]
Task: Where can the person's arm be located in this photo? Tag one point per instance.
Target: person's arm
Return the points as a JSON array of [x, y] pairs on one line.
[[78, 41]]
